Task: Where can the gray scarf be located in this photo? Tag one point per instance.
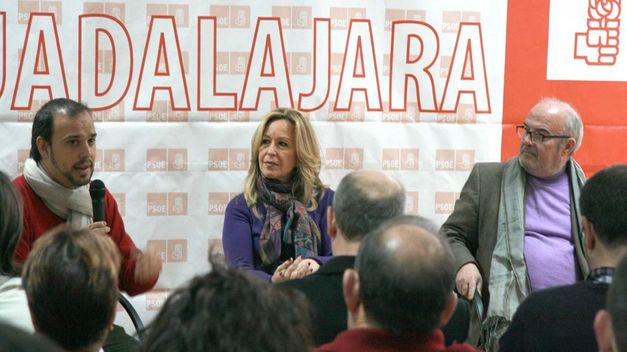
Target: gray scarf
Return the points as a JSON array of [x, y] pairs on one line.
[[508, 283]]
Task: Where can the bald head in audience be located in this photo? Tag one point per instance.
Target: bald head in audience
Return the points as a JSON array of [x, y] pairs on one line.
[[403, 279], [363, 200], [400, 293]]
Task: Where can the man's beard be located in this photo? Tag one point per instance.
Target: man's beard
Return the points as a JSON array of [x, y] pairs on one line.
[[68, 174]]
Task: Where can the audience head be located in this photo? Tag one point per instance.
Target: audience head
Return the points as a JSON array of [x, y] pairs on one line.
[[285, 149], [13, 339], [403, 278], [10, 225], [610, 324], [603, 204], [71, 280], [363, 200], [231, 310], [552, 132], [63, 141]]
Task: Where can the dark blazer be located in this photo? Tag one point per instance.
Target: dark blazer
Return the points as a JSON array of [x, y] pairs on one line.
[[324, 291], [472, 227], [556, 319]]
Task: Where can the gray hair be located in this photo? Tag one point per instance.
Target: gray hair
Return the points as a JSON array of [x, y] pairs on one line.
[[363, 200], [573, 125]]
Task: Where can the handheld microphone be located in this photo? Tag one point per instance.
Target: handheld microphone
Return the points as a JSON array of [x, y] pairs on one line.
[[97, 192]]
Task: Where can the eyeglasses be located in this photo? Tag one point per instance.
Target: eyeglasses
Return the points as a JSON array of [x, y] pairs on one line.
[[535, 136]]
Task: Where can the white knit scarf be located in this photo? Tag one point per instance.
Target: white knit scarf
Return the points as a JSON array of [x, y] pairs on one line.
[[73, 205]]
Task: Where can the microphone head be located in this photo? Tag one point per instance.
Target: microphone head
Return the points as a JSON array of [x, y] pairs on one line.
[[96, 189]]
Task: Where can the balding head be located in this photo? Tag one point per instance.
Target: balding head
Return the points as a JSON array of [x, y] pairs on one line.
[[406, 276], [567, 117], [551, 133], [364, 199]]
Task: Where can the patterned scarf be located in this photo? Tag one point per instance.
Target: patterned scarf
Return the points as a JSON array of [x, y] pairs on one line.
[[286, 221]]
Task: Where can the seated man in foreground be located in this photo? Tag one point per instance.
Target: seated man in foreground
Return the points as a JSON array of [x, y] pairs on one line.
[[401, 291]]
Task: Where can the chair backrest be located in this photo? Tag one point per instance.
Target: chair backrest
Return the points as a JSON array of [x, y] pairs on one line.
[[132, 313]]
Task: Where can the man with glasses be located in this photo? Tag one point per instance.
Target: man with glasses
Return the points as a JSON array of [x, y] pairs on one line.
[[516, 226]]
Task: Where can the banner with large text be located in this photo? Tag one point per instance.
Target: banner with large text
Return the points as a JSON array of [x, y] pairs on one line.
[[420, 89]]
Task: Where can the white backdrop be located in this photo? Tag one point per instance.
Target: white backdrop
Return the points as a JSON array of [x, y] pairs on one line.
[[173, 164]]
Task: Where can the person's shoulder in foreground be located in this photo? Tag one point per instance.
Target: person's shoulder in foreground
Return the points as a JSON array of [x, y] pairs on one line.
[[556, 319], [561, 318]]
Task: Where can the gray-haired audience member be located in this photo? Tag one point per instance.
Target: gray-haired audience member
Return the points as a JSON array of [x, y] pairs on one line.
[[561, 318], [71, 281], [229, 309], [401, 291], [610, 324], [13, 303], [363, 200]]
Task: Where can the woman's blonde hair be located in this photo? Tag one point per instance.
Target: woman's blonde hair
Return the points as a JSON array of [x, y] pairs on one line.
[[307, 186]]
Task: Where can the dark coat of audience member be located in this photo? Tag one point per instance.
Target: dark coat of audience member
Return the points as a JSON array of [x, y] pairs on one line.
[[561, 318], [610, 324]]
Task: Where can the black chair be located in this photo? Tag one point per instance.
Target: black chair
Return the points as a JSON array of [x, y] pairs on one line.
[[132, 313], [456, 329], [477, 314]]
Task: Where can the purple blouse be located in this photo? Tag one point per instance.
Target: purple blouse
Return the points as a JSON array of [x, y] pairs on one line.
[[241, 231]]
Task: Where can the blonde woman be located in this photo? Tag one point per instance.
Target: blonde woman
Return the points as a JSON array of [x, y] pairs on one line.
[[278, 226]]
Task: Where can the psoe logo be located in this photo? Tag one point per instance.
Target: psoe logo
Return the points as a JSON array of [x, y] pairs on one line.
[[155, 299], [598, 43], [445, 202], [22, 155], [454, 159], [170, 251], [584, 41], [411, 203], [234, 159], [113, 160], [344, 158], [121, 200], [166, 204], [218, 202], [400, 159]]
